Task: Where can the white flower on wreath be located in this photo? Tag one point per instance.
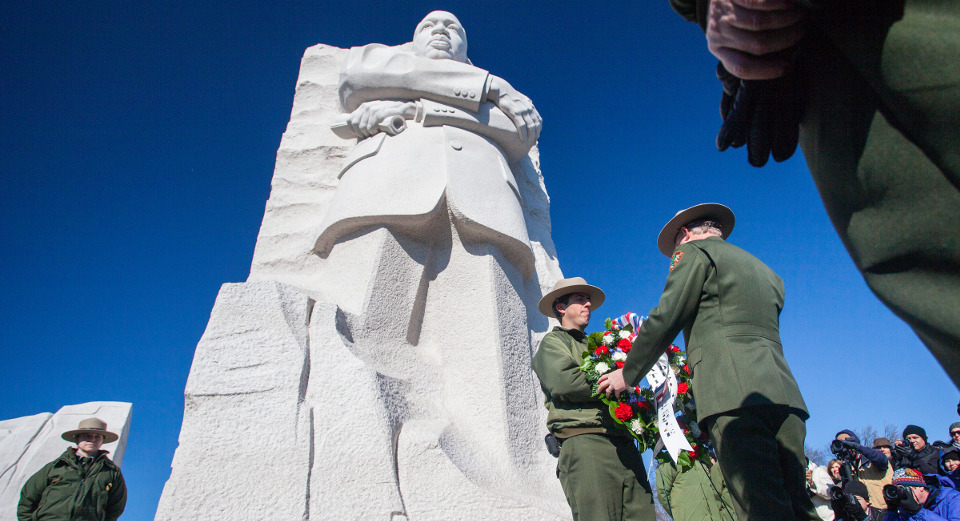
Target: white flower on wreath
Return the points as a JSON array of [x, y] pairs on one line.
[[619, 356], [608, 340], [636, 426], [624, 333], [602, 368]]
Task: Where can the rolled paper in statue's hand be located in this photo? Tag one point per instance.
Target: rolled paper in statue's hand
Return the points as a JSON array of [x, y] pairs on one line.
[[391, 125]]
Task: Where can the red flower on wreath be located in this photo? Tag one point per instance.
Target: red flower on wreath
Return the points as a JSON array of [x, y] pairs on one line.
[[619, 365], [602, 350], [693, 453], [643, 404], [623, 412], [624, 344], [674, 349], [682, 388], [686, 368]]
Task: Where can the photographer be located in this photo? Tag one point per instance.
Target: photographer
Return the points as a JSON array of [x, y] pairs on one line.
[[912, 498], [916, 453], [868, 465], [850, 503]]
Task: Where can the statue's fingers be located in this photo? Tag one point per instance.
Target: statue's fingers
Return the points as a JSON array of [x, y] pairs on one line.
[[521, 127]]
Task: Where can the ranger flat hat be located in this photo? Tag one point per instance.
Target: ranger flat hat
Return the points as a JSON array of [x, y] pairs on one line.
[[91, 426], [717, 211], [566, 286]]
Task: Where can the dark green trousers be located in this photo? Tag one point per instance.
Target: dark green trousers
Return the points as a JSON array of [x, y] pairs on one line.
[[604, 479], [881, 136], [760, 452]]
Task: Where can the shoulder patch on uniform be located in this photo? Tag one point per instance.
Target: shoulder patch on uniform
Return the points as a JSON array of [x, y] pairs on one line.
[[677, 255]]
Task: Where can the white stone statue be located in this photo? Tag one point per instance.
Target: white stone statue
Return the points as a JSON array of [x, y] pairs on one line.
[[380, 349]]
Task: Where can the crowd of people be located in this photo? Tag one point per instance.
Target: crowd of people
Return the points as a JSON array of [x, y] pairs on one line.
[[910, 478]]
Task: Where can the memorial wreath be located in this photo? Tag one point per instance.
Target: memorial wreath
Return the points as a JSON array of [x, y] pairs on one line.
[[654, 414]]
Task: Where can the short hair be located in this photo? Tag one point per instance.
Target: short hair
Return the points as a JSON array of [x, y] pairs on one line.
[[562, 299], [701, 225]]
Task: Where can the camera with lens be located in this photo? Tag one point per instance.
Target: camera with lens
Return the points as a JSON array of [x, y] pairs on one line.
[[846, 452], [893, 495], [845, 506]]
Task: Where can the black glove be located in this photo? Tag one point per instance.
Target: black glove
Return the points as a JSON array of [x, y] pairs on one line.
[[762, 114], [854, 512], [850, 445], [910, 505]]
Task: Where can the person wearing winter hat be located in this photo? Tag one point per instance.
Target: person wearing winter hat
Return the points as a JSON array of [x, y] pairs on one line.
[[955, 434], [920, 500], [870, 466], [860, 508], [916, 453], [950, 465], [81, 485]]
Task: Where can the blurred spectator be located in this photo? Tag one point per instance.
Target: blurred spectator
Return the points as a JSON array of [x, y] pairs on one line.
[[862, 510], [950, 465], [955, 434], [692, 495], [884, 446], [833, 468], [870, 466], [916, 453], [819, 483]]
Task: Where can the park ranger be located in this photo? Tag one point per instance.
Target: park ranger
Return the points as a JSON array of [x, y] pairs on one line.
[[727, 303], [83, 484], [599, 466]]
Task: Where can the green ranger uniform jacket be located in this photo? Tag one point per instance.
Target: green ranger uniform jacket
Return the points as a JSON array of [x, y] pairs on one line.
[[571, 407], [881, 136], [63, 491], [727, 303], [695, 494]]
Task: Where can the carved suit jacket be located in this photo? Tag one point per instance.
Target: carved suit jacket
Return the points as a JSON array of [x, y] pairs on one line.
[[458, 151], [727, 303]]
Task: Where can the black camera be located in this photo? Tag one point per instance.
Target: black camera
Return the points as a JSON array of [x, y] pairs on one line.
[[837, 447], [893, 495], [845, 506]]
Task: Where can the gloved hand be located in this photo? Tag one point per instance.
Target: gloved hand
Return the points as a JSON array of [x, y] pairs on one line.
[[910, 505], [855, 512], [849, 444], [762, 114]]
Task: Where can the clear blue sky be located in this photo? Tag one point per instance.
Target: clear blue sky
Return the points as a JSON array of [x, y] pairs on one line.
[[137, 143]]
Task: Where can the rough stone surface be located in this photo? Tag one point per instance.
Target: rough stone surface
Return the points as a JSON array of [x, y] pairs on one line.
[[245, 442], [308, 399], [30, 442]]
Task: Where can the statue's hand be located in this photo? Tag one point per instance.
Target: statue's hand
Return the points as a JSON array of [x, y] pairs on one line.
[[754, 39], [517, 107], [366, 119]]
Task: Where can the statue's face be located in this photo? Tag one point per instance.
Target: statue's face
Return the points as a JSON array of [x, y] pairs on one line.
[[439, 36]]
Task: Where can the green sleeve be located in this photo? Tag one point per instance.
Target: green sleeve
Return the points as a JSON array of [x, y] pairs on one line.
[[31, 493], [559, 372], [678, 305], [666, 475], [117, 500]]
